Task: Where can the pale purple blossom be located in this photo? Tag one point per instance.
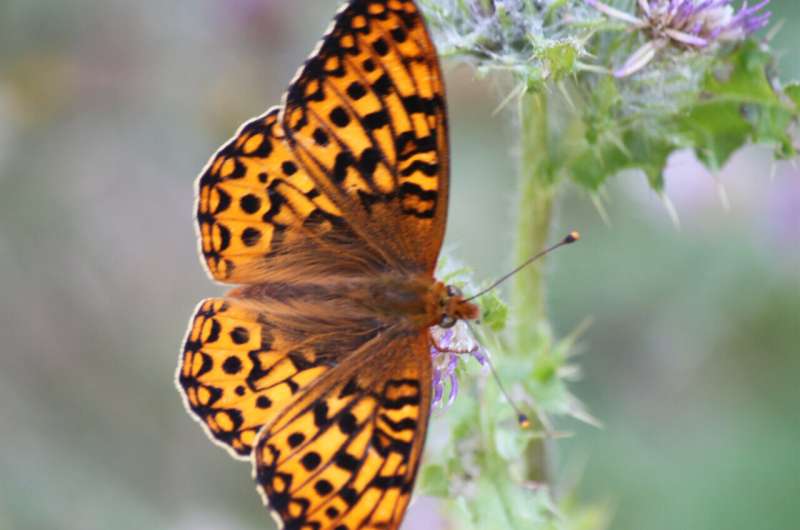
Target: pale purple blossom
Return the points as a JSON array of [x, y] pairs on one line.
[[691, 24], [447, 347]]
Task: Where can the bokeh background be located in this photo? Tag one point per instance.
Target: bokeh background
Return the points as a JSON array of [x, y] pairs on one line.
[[109, 109]]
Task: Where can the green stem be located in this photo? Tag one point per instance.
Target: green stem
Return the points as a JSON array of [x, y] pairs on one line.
[[531, 328], [535, 214]]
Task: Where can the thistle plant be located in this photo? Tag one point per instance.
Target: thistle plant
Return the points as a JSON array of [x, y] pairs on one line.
[[596, 88]]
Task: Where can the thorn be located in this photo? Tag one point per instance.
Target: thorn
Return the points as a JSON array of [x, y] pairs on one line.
[[722, 192], [672, 212], [772, 33], [597, 201]]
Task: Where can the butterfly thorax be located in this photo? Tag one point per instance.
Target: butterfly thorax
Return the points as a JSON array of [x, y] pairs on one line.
[[418, 302], [450, 306]]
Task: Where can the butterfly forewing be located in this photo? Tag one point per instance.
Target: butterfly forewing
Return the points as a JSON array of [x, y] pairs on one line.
[[254, 200], [366, 117], [345, 455]]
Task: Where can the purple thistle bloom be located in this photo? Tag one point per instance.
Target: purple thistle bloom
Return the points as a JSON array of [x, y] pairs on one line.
[[691, 24], [447, 346]]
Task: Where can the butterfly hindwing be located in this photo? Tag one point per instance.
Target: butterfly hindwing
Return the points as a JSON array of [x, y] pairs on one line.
[[366, 118], [345, 454], [237, 371]]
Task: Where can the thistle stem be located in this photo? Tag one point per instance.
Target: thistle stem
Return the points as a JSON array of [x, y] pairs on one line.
[[538, 187], [535, 215]]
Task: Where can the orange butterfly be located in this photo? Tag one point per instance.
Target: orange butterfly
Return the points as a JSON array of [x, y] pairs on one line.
[[329, 213]]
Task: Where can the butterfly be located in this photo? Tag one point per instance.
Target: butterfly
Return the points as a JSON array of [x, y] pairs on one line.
[[327, 213]]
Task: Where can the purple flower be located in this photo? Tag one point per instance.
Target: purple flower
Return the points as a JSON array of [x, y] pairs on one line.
[[447, 346], [691, 24]]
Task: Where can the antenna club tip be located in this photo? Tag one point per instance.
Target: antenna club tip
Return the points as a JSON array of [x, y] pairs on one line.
[[572, 237], [523, 421]]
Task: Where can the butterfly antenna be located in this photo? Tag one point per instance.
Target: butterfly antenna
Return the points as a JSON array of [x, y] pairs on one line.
[[522, 418], [570, 238]]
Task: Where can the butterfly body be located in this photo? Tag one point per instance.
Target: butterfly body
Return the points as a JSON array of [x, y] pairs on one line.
[[403, 303], [327, 213]]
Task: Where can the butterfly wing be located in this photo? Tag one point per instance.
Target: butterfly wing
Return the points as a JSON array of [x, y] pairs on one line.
[[256, 204], [349, 178], [345, 454], [366, 118], [361, 154], [237, 371]]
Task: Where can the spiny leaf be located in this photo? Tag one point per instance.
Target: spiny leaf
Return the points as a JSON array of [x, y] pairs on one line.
[[740, 104]]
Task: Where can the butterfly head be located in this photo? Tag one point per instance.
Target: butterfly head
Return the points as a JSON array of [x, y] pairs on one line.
[[452, 306]]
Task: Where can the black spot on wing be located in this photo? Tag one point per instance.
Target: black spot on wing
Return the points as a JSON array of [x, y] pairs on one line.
[[406, 424], [223, 201], [321, 414], [376, 120], [426, 168]]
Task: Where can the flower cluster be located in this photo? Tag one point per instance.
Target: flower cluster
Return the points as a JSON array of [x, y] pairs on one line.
[[519, 36], [447, 347], [691, 24]]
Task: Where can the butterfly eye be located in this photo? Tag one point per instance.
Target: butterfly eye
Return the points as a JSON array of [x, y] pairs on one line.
[[447, 321], [452, 290]]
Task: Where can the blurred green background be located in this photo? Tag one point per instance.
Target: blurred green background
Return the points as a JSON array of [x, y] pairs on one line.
[[109, 109]]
